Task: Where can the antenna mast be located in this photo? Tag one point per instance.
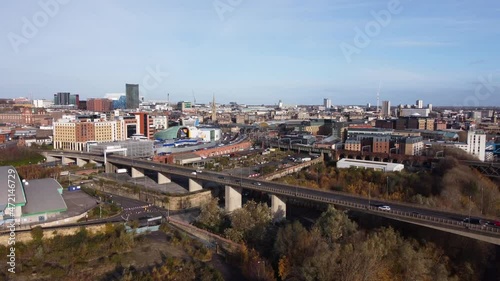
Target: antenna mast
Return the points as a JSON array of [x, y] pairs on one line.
[[378, 98]]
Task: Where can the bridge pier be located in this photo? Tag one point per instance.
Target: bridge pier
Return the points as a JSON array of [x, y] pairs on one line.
[[232, 198], [137, 172], [81, 162], [278, 207], [109, 168], [66, 160], [194, 185], [163, 178], [50, 158]]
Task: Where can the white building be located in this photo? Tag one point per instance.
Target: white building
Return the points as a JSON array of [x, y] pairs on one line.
[[327, 103], [406, 112], [419, 103], [160, 122], [375, 165], [42, 103], [476, 144]]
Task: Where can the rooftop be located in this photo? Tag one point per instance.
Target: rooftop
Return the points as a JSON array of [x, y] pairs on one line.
[[10, 187], [43, 196]]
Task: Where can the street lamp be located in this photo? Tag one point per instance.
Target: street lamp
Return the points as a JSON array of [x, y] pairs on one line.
[[470, 209]]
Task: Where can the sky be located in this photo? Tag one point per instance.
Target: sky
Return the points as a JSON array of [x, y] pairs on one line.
[[255, 52]]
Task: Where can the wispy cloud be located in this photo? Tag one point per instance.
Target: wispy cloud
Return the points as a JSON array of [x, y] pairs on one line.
[[418, 43], [474, 62]]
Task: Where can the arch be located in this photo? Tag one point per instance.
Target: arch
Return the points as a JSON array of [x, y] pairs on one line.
[[368, 158], [376, 159], [359, 157], [386, 160], [342, 156], [350, 156], [395, 160]]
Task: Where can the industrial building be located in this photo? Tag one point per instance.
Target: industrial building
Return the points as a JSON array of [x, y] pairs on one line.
[[32, 201], [378, 166], [134, 148]]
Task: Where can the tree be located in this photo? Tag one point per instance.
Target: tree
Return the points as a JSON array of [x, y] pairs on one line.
[[250, 222], [283, 267], [211, 216], [37, 233], [334, 225]]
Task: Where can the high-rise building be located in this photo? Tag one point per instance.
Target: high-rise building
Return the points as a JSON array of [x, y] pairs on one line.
[[65, 98], [476, 143], [327, 103], [386, 108], [420, 104], [132, 96], [145, 124], [214, 110], [61, 98], [430, 107]]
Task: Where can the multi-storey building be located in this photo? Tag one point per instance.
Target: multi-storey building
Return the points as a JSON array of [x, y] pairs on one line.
[[411, 146], [75, 135], [99, 105], [476, 143], [145, 124], [132, 96], [27, 116]]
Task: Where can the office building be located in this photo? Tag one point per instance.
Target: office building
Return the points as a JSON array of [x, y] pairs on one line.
[[145, 124], [327, 103], [99, 105], [65, 98], [386, 108], [132, 96], [420, 104]]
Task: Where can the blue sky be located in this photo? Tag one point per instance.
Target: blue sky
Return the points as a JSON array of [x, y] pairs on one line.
[[444, 52]]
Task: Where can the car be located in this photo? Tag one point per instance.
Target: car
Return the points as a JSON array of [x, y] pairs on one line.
[[384, 208], [221, 177], [193, 173], [238, 181], [257, 183], [199, 171], [472, 221]]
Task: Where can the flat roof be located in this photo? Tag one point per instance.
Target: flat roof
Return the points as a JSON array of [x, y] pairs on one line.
[[10, 183], [43, 196], [388, 165]]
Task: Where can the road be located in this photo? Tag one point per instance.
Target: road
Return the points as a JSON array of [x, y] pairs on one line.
[[398, 210]]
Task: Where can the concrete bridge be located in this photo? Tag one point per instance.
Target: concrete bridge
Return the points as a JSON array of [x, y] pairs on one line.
[[279, 193]]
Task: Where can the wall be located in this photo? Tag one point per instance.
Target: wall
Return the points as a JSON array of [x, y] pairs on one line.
[[292, 169], [25, 236]]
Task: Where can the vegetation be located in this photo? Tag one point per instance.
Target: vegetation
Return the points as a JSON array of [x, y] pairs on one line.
[[19, 156], [335, 249], [449, 185], [107, 256]]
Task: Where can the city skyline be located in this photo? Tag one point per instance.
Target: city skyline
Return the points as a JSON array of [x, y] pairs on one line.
[[256, 52]]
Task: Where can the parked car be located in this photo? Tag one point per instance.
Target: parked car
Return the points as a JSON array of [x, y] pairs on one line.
[[384, 208]]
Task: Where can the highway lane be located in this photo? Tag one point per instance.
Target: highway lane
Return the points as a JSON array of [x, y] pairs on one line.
[[347, 200]]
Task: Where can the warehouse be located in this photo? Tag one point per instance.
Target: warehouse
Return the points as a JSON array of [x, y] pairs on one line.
[[375, 165]]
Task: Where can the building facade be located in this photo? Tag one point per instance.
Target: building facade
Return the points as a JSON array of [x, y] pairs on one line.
[[75, 135], [132, 96], [99, 105]]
